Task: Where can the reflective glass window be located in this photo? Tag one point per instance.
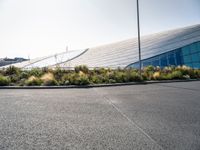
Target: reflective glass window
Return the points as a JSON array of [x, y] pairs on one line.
[[198, 46], [196, 65], [135, 65], [163, 61], [186, 50], [171, 59], [178, 57], [189, 65], [155, 62], [193, 48], [146, 63], [195, 57], [187, 59]]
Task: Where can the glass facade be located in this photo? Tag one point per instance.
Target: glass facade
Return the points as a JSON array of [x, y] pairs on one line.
[[188, 55]]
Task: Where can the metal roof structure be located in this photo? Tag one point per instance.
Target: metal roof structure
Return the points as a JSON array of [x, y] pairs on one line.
[[120, 54]]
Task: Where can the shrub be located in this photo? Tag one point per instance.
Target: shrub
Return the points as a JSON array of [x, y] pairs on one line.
[[37, 72], [24, 75], [46, 70], [75, 79], [95, 79], [156, 76], [164, 76], [69, 78], [177, 75], [47, 76], [50, 83], [58, 73], [197, 73], [4, 81], [33, 81], [82, 80], [14, 78], [48, 79], [132, 75], [82, 68], [184, 69], [101, 71], [112, 81], [11, 70], [149, 68], [120, 77], [167, 69], [148, 72]]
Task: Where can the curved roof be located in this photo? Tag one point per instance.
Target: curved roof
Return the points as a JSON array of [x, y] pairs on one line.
[[121, 54], [47, 61]]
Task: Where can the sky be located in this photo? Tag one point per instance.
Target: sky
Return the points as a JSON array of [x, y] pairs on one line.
[[35, 28]]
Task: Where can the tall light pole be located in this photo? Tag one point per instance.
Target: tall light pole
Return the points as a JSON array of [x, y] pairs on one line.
[[139, 43]]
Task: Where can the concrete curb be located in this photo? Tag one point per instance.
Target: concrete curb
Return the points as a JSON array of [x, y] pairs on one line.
[[96, 85]]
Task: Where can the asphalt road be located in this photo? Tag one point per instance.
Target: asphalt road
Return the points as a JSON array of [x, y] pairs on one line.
[[155, 116]]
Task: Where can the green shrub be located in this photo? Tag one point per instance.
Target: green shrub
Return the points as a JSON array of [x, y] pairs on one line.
[[149, 68], [82, 80], [148, 72], [24, 75], [168, 69], [82, 68], [177, 75], [197, 73], [101, 71], [37, 72], [69, 79], [120, 77], [4, 81], [11, 70], [58, 73], [33, 81], [164, 76], [96, 79], [132, 75], [14, 78], [112, 81]]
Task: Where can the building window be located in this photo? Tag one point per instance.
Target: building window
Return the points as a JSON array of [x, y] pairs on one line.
[[146, 63], [155, 62], [171, 59], [196, 65], [195, 57], [187, 59], [193, 48], [163, 60], [178, 57], [186, 50]]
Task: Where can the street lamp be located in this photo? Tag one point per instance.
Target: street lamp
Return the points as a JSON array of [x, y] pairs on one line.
[[139, 44]]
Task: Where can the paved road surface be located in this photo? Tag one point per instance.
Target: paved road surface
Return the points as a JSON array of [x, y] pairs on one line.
[[154, 116]]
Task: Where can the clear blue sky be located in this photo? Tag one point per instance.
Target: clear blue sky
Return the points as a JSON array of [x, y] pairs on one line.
[[43, 27]]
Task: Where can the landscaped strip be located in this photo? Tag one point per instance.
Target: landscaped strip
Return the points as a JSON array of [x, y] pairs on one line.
[[81, 75]]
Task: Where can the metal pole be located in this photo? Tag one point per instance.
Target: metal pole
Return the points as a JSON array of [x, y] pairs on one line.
[[139, 43]]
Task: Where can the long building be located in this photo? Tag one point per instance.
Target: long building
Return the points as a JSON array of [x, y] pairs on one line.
[[174, 47], [11, 61]]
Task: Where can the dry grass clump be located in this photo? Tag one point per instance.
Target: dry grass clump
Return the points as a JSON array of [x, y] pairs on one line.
[[33, 81], [48, 79]]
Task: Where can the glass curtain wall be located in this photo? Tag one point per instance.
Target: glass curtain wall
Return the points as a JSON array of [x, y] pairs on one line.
[[188, 55]]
